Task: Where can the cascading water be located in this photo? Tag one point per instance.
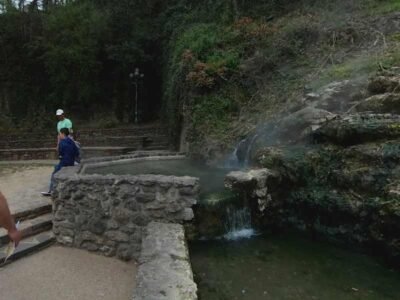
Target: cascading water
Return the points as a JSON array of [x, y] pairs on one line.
[[248, 152], [240, 157], [238, 224], [233, 162]]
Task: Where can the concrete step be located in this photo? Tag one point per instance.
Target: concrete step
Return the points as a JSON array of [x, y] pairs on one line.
[[86, 141], [33, 212], [27, 246], [87, 151], [132, 131], [90, 133], [30, 227], [28, 154], [157, 147]]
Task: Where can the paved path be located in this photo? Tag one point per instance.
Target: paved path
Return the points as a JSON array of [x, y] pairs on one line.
[[57, 272], [67, 274], [22, 184]]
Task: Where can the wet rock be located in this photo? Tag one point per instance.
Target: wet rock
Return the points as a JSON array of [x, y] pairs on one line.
[[254, 186], [254, 178]]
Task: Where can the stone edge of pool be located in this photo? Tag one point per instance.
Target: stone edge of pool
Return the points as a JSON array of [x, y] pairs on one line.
[[131, 217]]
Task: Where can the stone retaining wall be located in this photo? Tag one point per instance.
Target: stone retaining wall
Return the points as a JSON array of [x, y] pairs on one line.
[[108, 214], [164, 272]]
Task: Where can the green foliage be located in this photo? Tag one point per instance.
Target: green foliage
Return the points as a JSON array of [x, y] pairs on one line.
[[76, 55], [294, 38], [74, 39], [382, 6], [205, 60], [211, 112]]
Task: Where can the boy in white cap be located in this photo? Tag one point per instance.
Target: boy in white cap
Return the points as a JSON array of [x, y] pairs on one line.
[[63, 122]]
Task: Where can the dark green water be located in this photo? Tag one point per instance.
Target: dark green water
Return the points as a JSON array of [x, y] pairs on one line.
[[288, 267], [270, 267], [211, 179]]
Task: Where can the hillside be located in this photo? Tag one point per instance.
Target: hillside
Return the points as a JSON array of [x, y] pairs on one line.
[[227, 72]]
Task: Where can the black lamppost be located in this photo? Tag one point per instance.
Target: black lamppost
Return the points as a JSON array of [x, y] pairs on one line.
[[135, 79]]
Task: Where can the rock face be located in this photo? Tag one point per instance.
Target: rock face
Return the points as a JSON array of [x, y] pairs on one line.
[[343, 181], [108, 214], [164, 272]]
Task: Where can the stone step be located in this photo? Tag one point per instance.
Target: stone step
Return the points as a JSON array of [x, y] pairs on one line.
[[28, 246], [29, 154], [90, 132], [33, 212], [50, 153], [89, 152], [157, 147], [133, 154], [30, 227], [126, 141]]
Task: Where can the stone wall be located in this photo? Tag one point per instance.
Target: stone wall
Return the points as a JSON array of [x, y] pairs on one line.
[[108, 214], [164, 267]]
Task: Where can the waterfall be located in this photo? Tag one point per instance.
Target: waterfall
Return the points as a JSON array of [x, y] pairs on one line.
[[233, 161], [248, 152], [240, 157], [238, 224]]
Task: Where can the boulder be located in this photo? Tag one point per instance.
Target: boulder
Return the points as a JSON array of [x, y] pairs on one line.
[[382, 103], [309, 117], [238, 180], [384, 84], [335, 97], [359, 128], [255, 186]]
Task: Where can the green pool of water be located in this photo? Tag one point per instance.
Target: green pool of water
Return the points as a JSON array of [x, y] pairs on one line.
[[211, 179], [288, 267]]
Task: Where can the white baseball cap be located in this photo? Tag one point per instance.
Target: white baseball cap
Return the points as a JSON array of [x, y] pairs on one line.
[[59, 112]]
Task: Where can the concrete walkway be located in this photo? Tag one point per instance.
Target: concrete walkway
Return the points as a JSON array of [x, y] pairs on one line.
[[56, 273], [22, 184], [59, 273]]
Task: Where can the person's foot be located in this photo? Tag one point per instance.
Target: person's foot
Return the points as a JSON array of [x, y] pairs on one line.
[[46, 194]]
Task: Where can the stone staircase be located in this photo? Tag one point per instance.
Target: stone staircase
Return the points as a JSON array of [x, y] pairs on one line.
[[94, 142], [36, 227]]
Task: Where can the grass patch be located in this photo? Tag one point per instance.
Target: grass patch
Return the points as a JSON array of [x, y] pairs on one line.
[[374, 7], [359, 67]]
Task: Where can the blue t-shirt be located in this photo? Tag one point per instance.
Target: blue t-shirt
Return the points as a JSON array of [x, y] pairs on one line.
[[68, 152]]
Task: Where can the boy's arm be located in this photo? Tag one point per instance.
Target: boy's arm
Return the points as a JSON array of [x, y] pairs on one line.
[[7, 221], [61, 148]]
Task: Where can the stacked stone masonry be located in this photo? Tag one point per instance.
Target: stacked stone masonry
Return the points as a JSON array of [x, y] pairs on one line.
[[108, 214]]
